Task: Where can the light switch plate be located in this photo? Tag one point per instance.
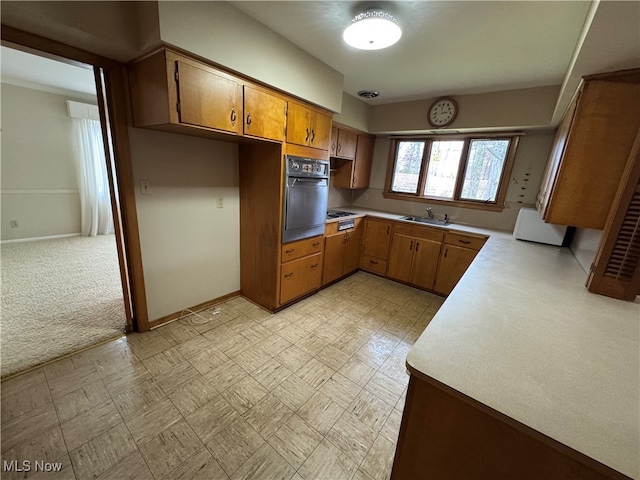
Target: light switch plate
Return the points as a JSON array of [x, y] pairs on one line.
[[145, 187]]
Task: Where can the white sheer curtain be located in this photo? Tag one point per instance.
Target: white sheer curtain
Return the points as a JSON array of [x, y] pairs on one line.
[[93, 186]]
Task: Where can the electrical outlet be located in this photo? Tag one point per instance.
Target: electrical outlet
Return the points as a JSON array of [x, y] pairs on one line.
[[220, 202], [145, 187], [13, 223], [365, 196]]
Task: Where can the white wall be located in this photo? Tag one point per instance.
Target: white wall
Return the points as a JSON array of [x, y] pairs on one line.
[[39, 183], [584, 246], [225, 35], [531, 158], [190, 248]]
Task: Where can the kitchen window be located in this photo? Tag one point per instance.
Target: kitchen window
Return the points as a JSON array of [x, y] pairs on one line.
[[466, 171]]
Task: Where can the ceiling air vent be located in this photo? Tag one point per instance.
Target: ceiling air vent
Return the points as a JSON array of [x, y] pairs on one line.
[[368, 93]]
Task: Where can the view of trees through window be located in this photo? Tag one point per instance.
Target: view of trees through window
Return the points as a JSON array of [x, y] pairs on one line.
[[480, 162]]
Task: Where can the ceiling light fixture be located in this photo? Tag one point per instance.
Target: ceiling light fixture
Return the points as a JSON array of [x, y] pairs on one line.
[[372, 30]]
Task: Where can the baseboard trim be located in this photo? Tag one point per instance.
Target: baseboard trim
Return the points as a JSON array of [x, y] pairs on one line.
[[196, 308], [37, 239]]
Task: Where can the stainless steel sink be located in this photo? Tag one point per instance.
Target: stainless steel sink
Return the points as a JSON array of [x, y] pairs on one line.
[[430, 221]]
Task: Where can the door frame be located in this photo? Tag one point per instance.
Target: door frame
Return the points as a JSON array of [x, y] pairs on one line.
[[111, 86]]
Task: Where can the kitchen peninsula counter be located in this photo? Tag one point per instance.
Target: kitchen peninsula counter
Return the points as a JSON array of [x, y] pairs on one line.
[[522, 339]]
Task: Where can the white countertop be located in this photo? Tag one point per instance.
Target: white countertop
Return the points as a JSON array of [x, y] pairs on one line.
[[521, 334]]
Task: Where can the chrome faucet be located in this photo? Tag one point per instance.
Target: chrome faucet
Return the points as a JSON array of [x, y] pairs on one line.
[[429, 213], [446, 218]]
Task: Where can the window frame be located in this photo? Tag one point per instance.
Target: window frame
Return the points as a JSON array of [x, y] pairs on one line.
[[456, 201]]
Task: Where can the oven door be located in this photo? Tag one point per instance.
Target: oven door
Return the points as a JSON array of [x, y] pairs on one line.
[[305, 207]]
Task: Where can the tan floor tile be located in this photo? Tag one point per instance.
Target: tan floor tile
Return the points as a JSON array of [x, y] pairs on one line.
[[132, 467], [113, 357], [46, 447], [256, 333], [293, 392], [271, 374], [61, 470], [62, 384], [295, 441], [241, 323], [348, 344], [170, 448], [328, 462], [219, 335], [226, 375], [251, 358], [311, 344], [22, 382], [391, 426], [192, 395], [402, 400], [293, 333], [201, 466], [163, 361], [395, 367], [370, 410], [235, 345], [369, 355], [234, 445], [153, 421], [27, 426], [211, 418], [264, 464], [152, 343], [357, 371], [352, 437], [332, 357], [293, 358], [81, 400], [172, 379], [273, 345], [24, 400], [177, 333], [200, 325], [315, 373], [320, 412], [379, 460], [193, 346], [244, 394], [311, 322], [89, 424], [268, 415], [276, 322], [139, 398], [126, 378], [208, 360], [362, 475], [341, 390], [103, 452], [385, 388]]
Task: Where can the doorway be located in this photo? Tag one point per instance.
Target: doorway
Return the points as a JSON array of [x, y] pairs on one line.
[[61, 291]]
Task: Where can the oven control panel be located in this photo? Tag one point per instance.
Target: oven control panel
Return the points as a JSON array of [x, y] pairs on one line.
[[307, 167]]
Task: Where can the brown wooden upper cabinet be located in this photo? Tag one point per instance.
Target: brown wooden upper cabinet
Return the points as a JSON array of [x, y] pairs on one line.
[[343, 143], [355, 174], [264, 114], [590, 151], [307, 127]]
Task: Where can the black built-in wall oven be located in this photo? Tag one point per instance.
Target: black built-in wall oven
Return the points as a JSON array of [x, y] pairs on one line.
[[306, 193]]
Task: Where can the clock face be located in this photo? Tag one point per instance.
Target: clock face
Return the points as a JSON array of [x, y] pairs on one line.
[[443, 112]]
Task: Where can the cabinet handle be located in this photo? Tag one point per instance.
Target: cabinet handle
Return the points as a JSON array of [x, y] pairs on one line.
[[288, 275], [234, 116], [248, 119], [466, 242], [339, 147], [289, 251], [375, 262], [315, 265], [316, 244], [411, 246], [388, 227], [446, 252], [417, 246], [355, 179], [307, 137], [313, 135]]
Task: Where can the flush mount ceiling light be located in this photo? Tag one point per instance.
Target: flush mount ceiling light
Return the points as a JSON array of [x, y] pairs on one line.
[[372, 30]]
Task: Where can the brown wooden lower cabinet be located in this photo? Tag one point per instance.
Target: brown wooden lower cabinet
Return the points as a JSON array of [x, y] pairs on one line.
[[299, 277], [414, 253], [445, 435], [341, 251]]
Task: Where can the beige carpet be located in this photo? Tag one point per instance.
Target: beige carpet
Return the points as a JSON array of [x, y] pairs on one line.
[[58, 296]]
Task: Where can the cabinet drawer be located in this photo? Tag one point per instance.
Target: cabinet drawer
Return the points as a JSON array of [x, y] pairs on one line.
[[299, 277], [373, 264], [301, 248], [467, 241], [427, 233]]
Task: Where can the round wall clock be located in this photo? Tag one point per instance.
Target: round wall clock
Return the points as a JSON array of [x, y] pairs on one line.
[[443, 112]]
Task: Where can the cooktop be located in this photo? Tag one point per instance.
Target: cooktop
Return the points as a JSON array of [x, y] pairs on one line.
[[338, 214]]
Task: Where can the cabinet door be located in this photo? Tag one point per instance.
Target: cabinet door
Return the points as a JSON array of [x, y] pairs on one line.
[[300, 277], [334, 246], [377, 234], [298, 118], [401, 257], [362, 163], [320, 126], [207, 99], [346, 146], [425, 263], [264, 114], [352, 251], [454, 261], [334, 142]]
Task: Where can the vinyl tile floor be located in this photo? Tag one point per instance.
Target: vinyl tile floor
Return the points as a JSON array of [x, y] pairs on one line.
[[315, 391]]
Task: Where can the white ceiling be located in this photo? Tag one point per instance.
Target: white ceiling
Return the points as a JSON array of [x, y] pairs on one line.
[[33, 71], [447, 47]]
